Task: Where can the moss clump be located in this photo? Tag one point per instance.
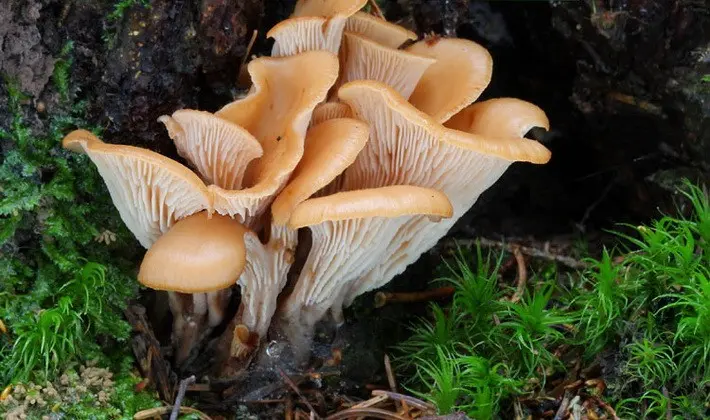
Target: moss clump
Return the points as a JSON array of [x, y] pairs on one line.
[[55, 305], [86, 392], [641, 318]]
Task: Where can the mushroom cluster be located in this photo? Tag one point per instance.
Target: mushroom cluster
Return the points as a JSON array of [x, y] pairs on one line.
[[353, 129]]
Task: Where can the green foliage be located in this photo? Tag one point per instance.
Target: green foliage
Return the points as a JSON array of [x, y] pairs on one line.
[[84, 308], [53, 204], [120, 7], [483, 348], [648, 307], [62, 68]]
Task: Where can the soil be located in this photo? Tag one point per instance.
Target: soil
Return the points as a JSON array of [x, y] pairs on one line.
[[621, 82]]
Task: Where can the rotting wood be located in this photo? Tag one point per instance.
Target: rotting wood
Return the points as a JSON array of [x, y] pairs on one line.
[[146, 349]]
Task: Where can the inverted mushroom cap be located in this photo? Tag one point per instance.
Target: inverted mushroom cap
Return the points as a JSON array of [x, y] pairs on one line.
[[331, 146], [388, 202], [277, 112], [462, 71], [315, 25], [200, 253], [218, 149], [365, 59], [377, 103], [407, 146], [378, 30], [150, 191], [350, 231]]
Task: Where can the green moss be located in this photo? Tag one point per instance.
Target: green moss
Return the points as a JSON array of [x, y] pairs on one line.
[[648, 310], [53, 205], [62, 70]]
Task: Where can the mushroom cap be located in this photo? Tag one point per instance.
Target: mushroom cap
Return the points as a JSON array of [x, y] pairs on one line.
[[314, 25], [384, 202], [200, 253], [462, 71], [379, 30], [218, 149], [365, 59], [150, 191], [277, 112], [327, 8], [331, 146], [380, 101]]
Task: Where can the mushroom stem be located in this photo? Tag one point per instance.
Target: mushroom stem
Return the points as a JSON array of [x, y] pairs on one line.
[[194, 317]]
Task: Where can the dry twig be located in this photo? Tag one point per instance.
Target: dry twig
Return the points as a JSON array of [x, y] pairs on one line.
[[159, 411], [180, 396], [375, 9], [295, 389], [383, 298], [414, 402], [526, 250], [522, 274]]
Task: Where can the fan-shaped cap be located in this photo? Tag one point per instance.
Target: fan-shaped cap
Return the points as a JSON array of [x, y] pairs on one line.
[[365, 59], [315, 25], [349, 230], [462, 71], [378, 30], [331, 146], [150, 191], [277, 113], [407, 146], [200, 253], [218, 149]]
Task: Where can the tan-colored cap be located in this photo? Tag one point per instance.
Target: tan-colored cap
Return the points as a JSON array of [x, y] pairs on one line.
[[365, 59], [499, 118], [350, 230], [372, 101], [327, 8], [461, 73], [277, 112], [378, 30], [407, 146], [149, 190], [388, 202], [218, 149], [200, 253], [331, 146]]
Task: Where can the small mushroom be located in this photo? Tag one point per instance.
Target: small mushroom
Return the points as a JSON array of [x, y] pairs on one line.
[[166, 205], [277, 112], [198, 260]]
